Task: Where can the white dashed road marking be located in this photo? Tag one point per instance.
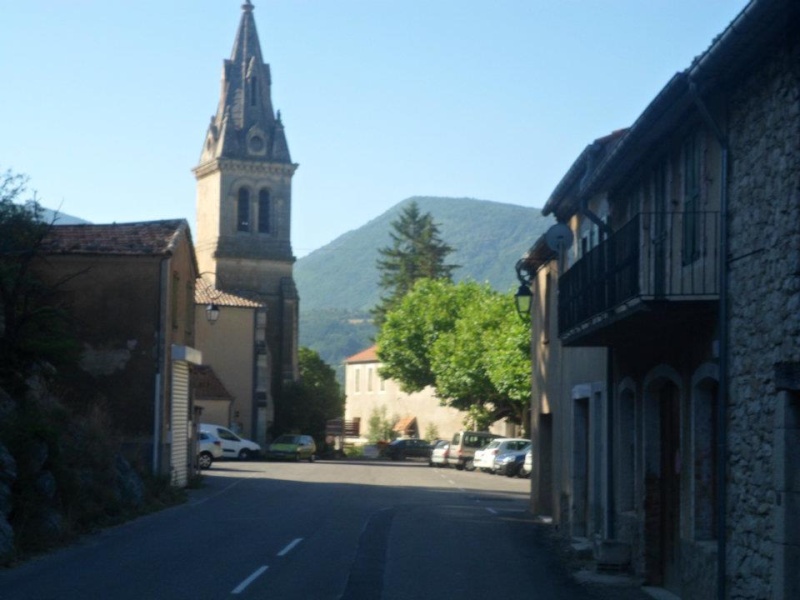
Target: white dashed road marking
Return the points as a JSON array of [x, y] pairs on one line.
[[241, 587]]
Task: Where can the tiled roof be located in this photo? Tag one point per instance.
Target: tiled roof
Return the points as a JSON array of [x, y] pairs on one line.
[[208, 294], [206, 385], [365, 356], [147, 238]]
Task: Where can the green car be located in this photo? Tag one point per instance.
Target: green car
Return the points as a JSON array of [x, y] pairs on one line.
[[292, 447]]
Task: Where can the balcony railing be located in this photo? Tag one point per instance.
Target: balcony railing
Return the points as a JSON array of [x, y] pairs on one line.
[[654, 257]]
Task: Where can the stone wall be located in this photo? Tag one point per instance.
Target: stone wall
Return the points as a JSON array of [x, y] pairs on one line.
[[764, 269]]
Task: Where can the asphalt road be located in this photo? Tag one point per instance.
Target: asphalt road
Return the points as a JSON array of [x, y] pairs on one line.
[[327, 530]]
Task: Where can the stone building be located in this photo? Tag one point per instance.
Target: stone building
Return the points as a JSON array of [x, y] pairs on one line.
[[244, 199], [414, 414], [417, 414], [129, 289], [684, 269]]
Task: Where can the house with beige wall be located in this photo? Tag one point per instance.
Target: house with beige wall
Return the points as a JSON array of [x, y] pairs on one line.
[[234, 346], [367, 393]]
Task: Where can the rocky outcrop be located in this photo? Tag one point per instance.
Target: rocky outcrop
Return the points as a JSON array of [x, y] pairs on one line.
[[8, 473]]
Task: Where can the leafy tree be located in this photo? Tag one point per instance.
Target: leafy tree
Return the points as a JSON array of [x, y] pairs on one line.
[[379, 425], [417, 252], [465, 340], [431, 432], [34, 328], [406, 338], [484, 361], [312, 400]]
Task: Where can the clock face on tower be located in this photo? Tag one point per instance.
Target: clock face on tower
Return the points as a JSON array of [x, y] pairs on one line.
[[256, 145]]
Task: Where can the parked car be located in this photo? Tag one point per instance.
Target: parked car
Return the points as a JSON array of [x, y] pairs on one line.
[[509, 463], [233, 446], [408, 447], [463, 446], [209, 448], [499, 446], [439, 454], [293, 447], [527, 465]]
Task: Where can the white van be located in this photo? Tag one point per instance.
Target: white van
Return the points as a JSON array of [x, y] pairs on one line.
[[233, 446], [463, 446]]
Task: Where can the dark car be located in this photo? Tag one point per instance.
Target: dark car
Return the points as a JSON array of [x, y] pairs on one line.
[[408, 448], [510, 463]]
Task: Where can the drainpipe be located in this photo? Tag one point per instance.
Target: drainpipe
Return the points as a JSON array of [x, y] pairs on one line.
[[722, 432]]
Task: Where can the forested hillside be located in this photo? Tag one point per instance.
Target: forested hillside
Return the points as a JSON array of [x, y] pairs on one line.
[[338, 283]]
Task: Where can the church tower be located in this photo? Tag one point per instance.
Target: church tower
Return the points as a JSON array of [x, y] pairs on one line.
[[244, 199]]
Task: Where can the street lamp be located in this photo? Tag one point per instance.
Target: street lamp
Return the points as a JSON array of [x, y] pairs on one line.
[[212, 313], [207, 292], [524, 297]]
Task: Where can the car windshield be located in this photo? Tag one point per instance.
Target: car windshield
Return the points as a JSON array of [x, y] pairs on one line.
[[287, 439]]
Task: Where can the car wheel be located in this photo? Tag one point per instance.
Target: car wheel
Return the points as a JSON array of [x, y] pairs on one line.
[[459, 467], [204, 460], [510, 471], [244, 454], [311, 458], [469, 465]]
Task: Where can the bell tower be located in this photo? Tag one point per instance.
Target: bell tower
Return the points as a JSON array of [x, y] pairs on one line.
[[244, 198]]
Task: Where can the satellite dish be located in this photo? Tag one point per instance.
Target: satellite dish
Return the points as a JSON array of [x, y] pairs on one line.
[[558, 237]]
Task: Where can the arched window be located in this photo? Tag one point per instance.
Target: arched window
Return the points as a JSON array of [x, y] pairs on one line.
[[263, 211], [243, 210], [253, 91]]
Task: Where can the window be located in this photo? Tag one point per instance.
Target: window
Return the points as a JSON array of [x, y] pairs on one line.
[[243, 210], [369, 379], [263, 211], [691, 200], [253, 91]]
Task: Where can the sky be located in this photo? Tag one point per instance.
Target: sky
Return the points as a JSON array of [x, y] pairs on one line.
[[105, 103]]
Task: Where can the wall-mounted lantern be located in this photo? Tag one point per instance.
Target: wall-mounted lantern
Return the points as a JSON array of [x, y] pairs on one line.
[[212, 313]]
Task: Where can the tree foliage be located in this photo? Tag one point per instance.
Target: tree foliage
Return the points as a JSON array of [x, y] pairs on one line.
[[310, 402], [379, 425], [465, 340], [417, 252], [412, 328], [34, 328]]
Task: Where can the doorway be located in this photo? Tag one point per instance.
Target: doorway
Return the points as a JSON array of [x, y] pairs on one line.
[[670, 434]]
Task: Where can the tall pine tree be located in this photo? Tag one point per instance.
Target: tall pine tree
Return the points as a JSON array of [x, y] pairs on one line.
[[417, 252]]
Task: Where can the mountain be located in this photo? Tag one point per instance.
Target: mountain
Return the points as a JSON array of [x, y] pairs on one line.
[[60, 218], [338, 283]]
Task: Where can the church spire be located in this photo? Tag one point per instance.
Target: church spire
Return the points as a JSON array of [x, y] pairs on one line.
[[245, 126]]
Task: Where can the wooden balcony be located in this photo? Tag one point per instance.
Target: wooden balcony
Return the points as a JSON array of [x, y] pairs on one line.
[[657, 272]]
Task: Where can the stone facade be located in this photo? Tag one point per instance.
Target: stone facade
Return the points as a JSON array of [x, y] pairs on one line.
[[764, 272], [129, 288]]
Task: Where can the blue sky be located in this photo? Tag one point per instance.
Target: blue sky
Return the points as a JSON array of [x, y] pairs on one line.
[[105, 103]]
